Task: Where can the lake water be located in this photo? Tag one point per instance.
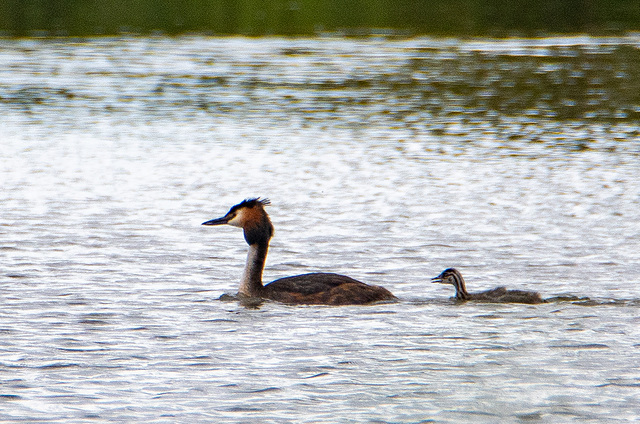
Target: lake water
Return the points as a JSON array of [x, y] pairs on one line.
[[516, 161]]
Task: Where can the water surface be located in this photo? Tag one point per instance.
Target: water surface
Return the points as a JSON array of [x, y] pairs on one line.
[[384, 160]]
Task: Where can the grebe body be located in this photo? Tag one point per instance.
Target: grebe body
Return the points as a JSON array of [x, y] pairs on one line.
[[314, 288], [497, 295]]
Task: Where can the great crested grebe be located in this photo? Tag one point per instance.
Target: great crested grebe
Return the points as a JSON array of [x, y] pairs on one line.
[[497, 295], [315, 288]]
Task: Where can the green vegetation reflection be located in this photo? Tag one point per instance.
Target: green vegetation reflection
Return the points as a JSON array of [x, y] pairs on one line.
[[304, 17]]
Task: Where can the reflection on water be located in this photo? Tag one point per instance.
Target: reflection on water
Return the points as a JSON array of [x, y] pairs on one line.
[[515, 161], [575, 78]]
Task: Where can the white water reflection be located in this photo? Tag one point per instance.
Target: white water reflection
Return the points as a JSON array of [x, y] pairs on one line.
[[114, 152]]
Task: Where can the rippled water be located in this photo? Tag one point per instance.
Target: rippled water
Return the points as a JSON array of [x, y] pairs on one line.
[[384, 160]]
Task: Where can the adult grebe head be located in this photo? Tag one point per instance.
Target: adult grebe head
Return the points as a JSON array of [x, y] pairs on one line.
[[251, 217]]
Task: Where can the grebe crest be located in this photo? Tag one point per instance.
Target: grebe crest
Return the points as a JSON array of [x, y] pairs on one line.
[[498, 295], [315, 288]]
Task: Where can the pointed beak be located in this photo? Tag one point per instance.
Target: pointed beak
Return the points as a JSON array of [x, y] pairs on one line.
[[437, 279], [217, 221]]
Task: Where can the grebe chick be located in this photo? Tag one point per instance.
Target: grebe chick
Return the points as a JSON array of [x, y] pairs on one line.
[[497, 295], [316, 288]]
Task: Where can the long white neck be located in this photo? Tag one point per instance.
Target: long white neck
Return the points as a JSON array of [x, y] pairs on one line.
[[251, 284]]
